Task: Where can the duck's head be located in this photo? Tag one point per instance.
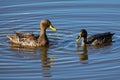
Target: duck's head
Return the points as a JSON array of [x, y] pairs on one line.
[[82, 34], [44, 24]]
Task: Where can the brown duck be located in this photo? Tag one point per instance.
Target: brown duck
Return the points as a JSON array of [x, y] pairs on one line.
[[32, 40], [95, 40]]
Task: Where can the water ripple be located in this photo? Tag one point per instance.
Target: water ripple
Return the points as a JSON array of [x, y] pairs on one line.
[[63, 60]]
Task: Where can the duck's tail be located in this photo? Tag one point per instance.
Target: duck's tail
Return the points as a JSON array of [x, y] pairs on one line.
[[112, 34], [13, 38]]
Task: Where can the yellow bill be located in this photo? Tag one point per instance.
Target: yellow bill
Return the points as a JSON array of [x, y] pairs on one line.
[[52, 28], [78, 38]]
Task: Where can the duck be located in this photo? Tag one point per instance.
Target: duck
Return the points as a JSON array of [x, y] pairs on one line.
[[30, 39], [96, 39]]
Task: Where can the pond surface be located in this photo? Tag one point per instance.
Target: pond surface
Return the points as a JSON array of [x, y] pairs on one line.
[[62, 60]]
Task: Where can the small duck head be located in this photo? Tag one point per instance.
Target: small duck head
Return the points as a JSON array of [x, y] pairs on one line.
[[82, 34], [44, 24]]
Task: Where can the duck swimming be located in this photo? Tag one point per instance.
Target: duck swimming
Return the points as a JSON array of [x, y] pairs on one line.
[[95, 40], [32, 40]]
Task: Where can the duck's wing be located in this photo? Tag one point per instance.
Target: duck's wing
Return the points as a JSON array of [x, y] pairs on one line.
[[107, 36], [22, 37], [22, 41], [26, 35]]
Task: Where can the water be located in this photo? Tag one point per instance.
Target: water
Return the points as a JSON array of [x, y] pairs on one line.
[[63, 60]]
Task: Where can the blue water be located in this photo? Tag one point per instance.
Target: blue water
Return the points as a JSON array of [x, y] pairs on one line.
[[63, 60]]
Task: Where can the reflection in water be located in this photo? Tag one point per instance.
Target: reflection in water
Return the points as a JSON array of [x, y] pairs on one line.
[[83, 54], [46, 62]]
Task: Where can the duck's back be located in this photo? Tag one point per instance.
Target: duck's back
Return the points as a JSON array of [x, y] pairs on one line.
[[26, 35], [100, 38]]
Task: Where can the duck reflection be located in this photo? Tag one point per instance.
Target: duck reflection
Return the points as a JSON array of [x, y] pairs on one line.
[[83, 54], [46, 62]]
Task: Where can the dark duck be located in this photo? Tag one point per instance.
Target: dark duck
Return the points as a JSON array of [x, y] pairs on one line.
[[95, 40], [32, 40]]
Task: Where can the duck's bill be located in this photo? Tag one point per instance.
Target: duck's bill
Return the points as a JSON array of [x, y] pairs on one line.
[[52, 28], [78, 38]]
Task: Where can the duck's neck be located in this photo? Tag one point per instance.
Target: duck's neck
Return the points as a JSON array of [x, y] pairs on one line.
[[84, 42], [43, 37], [42, 32]]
